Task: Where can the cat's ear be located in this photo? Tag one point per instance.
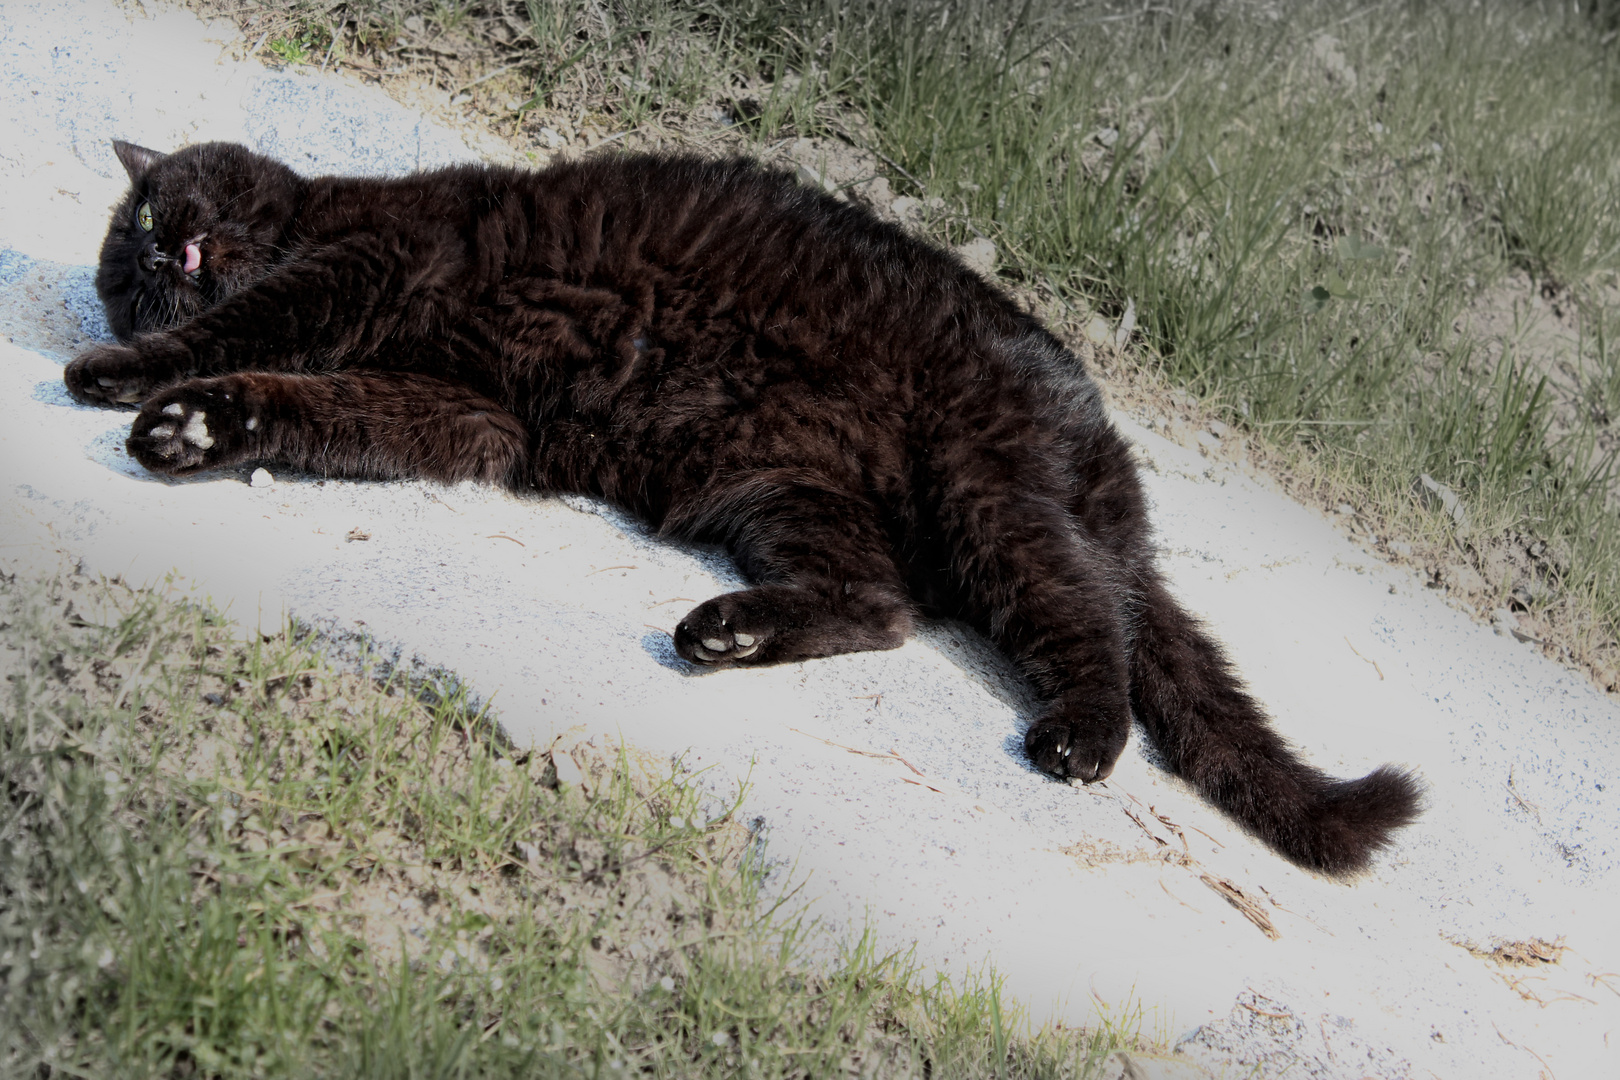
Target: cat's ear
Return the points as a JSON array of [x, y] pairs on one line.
[[138, 160]]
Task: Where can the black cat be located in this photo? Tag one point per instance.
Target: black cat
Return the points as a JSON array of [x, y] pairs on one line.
[[872, 430]]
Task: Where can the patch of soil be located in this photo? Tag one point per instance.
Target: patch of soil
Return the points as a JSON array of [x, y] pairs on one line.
[[1548, 330]]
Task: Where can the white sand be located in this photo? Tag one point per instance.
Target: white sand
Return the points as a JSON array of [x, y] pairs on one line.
[[557, 610]]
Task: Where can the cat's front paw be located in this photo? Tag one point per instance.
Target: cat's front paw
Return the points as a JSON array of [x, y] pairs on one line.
[[203, 424], [725, 630], [116, 375], [1086, 751]]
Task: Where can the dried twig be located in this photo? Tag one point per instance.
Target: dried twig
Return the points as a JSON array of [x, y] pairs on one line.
[[502, 70], [1516, 984], [892, 755], [1172, 826], [1528, 808], [1262, 1012], [1178, 899], [1157, 839], [1526, 1049], [896, 755], [1245, 904], [1369, 660]]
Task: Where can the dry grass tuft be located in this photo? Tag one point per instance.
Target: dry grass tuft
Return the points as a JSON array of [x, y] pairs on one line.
[[1532, 952]]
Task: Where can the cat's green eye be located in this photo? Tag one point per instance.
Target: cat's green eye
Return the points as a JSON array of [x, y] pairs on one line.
[[143, 216]]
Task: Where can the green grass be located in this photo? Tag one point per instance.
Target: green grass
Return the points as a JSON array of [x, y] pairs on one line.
[[1298, 211], [233, 860]]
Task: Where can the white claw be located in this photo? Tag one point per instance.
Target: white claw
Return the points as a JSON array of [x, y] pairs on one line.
[[744, 640], [1067, 750], [162, 431], [743, 654], [252, 423], [715, 645], [174, 408], [705, 654], [196, 432]]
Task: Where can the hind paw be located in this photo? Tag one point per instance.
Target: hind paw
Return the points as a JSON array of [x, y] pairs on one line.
[[1063, 748], [194, 426], [774, 624], [725, 630]]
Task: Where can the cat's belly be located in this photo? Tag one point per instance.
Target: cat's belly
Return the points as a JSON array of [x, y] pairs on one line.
[[649, 411], [674, 443]]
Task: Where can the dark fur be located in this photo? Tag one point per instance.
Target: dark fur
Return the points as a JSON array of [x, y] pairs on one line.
[[870, 429]]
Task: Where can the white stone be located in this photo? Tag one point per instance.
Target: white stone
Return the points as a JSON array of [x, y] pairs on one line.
[[980, 254]]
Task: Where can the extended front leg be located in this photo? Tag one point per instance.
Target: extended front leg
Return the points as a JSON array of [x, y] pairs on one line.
[[334, 308], [827, 578], [127, 374], [372, 426]]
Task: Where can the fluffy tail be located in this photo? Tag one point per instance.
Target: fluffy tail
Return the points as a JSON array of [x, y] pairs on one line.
[[1215, 736]]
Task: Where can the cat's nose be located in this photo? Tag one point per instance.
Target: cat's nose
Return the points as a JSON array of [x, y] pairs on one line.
[[151, 257]]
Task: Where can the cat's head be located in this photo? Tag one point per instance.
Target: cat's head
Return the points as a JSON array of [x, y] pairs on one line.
[[196, 226]]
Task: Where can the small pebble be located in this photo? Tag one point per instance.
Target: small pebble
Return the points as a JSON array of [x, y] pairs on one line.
[[979, 254], [261, 478], [568, 770]]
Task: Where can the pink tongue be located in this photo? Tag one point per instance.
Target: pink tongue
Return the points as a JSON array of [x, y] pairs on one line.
[[193, 257]]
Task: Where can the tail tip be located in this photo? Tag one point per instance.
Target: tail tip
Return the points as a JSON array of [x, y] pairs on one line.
[[1354, 820]]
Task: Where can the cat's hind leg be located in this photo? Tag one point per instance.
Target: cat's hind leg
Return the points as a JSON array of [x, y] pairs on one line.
[[381, 426], [1054, 601], [827, 580]]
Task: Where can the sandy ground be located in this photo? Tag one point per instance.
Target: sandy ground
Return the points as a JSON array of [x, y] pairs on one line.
[[891, 784]]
